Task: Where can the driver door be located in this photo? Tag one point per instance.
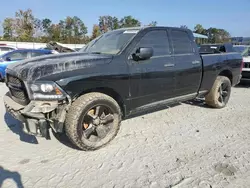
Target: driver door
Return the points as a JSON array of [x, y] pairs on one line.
[[153, 79]]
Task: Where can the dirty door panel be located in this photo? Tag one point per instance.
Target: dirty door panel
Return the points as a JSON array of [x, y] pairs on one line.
[[188, 63], [153, 79]]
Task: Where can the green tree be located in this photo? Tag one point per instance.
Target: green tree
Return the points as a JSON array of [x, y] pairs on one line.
[[55, 32], [79, 28], [7, 25], [216, 35], [24, 25], [73, 30], [107, 23], [46, 25], [199, 29], [129, 21], [95, 32]]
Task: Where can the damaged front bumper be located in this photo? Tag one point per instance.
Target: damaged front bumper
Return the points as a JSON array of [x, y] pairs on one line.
[[38, 116]]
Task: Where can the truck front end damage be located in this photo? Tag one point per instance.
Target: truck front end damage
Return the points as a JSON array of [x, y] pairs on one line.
[[38, 105]]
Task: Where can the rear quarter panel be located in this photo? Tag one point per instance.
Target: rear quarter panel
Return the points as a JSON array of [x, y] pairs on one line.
[[214, 64]]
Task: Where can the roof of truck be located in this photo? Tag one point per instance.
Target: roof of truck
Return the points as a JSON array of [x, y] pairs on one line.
[[196, 35], [143, 27]]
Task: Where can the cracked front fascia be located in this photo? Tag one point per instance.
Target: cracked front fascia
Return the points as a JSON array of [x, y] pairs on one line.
[[40, 106]]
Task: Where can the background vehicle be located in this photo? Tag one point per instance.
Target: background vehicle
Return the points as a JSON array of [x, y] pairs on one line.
[[5, 48], [245, 52], [86, 94], [59, 47], [216, 48], [18, 55]]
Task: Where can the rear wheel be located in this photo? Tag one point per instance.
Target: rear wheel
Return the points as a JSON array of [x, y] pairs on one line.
[[220, 93], [93, 121]]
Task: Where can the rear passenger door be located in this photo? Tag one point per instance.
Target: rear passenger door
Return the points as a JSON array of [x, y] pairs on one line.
[[188, 63], [153, 79]]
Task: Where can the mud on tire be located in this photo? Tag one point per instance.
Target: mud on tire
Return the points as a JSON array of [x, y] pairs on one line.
[[220, 93], [87, 121]]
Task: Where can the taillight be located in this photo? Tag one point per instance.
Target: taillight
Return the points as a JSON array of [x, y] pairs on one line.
[[242, 65]]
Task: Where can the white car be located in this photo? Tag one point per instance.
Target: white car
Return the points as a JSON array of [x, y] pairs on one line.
[[245, 52], [5, 48]]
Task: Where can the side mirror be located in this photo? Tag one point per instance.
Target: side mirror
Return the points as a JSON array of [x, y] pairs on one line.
[[143, 53], [8, 59]]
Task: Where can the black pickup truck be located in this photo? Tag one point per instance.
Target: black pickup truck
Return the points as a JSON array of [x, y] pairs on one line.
[[122, 73]]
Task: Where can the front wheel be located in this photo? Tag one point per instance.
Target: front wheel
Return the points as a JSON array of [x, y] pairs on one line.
[[220, 93], [93, 121]]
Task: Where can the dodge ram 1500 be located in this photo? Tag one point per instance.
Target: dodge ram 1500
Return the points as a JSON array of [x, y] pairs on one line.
[[87, 94]]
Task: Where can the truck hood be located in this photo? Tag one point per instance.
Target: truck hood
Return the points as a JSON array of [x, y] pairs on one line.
[[38, 67]]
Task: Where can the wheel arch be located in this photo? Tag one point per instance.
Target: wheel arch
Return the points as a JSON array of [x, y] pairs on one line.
[[110, 92], [227, 73]]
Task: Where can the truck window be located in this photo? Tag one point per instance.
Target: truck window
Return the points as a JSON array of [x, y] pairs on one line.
[[181, 42], [111, 42], [158, 40]]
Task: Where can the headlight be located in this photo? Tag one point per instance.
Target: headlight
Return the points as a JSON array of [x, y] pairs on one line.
[[46, 90]]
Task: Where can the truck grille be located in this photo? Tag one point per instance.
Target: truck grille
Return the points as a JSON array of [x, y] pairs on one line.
[[17, 89], [246, 65]]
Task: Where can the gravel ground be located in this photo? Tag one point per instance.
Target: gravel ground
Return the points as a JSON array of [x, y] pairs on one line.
[[188, 145]]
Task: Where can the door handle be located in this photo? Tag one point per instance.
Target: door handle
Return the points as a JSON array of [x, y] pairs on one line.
[[196, 62], [169, 65]]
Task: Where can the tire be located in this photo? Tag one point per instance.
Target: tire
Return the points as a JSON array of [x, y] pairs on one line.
[[74, 123], [217, 98]]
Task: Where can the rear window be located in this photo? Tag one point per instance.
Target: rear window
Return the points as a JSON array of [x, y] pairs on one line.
[[181, 42]]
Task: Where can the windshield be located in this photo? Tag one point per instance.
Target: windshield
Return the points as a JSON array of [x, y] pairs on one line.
[[110, 43], [243, 50]]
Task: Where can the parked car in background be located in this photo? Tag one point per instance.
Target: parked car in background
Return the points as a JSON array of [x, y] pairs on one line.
[[17, 55], [86, 94], [244, 50], [6, 48], [216, 48], [59, 47]]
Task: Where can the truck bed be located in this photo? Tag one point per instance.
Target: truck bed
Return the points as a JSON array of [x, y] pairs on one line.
[[213, 64]]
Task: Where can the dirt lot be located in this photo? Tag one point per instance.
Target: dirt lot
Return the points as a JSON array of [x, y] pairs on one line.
[[182, 146]]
